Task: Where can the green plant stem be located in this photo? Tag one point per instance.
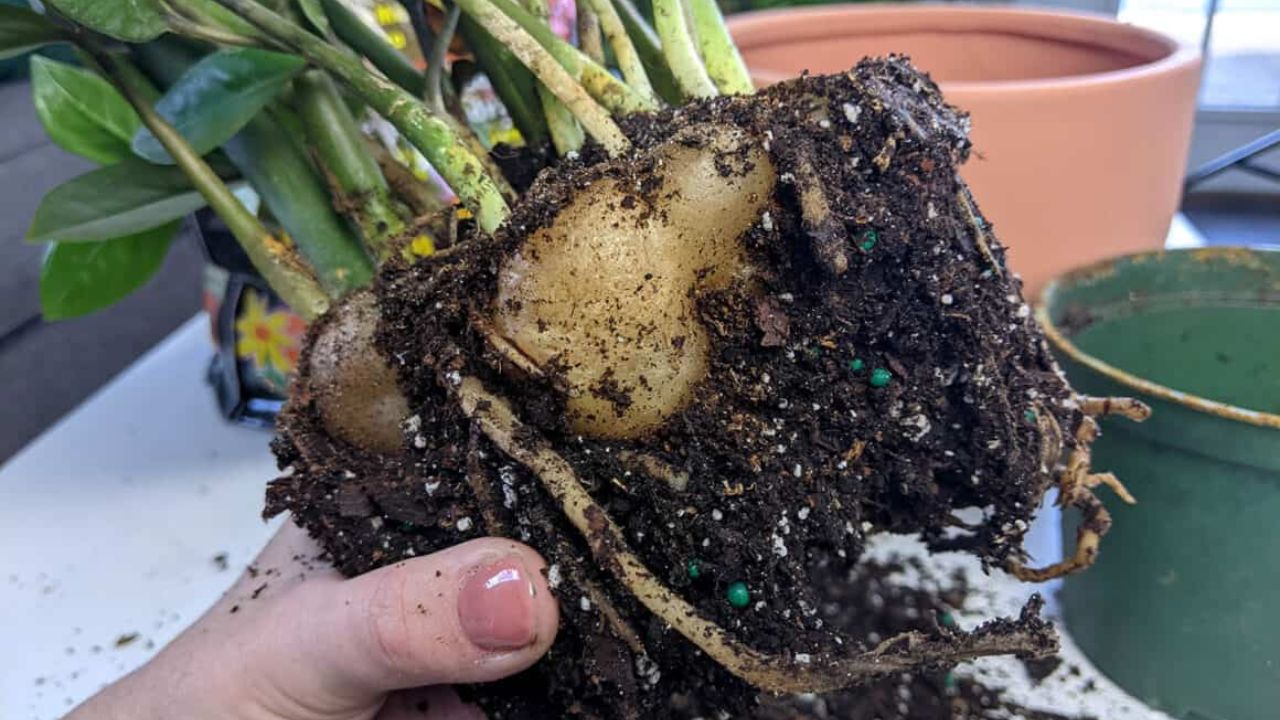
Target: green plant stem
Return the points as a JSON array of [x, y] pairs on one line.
[[436, 60], [566, 132], [334, 136], [283, 271], [649, 48], [420, 196], [511, 80], [615, 95], [443, 147], [210, 14], [427, 44], [282, 174], [624, 51], [680, 50], [188, 28], [355, 32], [545, 67], [719, 52], [589, 38]]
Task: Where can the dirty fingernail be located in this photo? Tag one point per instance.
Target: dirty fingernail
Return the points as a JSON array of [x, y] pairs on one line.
[[495, 606]]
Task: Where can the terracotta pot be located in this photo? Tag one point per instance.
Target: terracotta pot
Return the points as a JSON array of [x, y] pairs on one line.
[[1081, 124]]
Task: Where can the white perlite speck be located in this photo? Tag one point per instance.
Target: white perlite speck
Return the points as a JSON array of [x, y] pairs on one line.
[[779, 547], [803, 513], [766, 221], [851, 112], [464, 524], [585, 603]]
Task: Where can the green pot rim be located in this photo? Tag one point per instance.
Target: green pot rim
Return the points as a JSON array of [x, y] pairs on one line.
[[1129, 380]]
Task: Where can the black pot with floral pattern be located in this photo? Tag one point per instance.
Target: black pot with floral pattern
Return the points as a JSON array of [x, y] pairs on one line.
[[256, 336]]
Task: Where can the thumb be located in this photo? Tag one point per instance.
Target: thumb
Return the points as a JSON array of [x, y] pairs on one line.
[[475, 612]]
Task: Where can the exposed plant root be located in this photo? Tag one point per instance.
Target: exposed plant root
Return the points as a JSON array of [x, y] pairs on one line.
[[650, 465], [505, 350], [611, 615], [827, 236], [979, 233], [1076, 483], [1135, 410], [482, 486], [798, 673]]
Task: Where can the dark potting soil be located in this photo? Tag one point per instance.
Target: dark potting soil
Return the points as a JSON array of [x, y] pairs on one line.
[[837, 405]]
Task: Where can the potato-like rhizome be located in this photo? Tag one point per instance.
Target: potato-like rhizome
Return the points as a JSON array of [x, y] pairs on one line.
[[792, 455]]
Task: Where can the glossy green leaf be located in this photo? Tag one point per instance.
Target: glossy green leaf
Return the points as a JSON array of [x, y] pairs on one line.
[[22, 30], [82, 112], [122, 199], [313, 10], [217, 97], [79, 278], [128, 20]]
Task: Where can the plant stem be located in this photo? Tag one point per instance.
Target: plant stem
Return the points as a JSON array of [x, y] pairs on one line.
[[279, 170], [437, 139], [719, 52], [550, 72], [436, 59], [418, 195], [679, 48], [354, 31], [589, 32], [624, 51], [512, 81], [428, 42], [615, 95], [336, 139], [209, 13], [186, 27], [649, 48], [283, 271], [566, 132]]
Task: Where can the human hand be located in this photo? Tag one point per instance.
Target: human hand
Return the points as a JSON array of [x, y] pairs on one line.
[[294, 640]]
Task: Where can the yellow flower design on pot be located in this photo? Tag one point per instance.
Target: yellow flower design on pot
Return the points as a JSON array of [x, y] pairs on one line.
[[269, 339]]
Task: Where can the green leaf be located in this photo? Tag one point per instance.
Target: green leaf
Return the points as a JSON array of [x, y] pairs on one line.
[[22, 30], [128, 20], [314, 12], [122, 199], [82, 112], [79, 278], [217, 97]]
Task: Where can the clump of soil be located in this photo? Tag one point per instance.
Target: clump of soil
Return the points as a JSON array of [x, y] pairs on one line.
[[878, 372]]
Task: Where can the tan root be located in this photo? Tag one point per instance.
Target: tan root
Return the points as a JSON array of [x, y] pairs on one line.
[[772, 673], [482, 487], [965, 201], [1076, 483]]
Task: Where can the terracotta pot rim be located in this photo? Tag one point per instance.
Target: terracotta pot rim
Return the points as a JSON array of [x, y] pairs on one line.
[[1135, 383], [761, 28]]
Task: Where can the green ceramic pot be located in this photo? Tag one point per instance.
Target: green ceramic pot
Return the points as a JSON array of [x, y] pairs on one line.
[[1183, 606]]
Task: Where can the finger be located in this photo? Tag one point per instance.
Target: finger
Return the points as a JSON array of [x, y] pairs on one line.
[[472, 613], [440, 702]]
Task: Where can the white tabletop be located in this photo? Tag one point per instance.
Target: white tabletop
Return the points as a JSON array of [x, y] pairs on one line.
[[110, 523]]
